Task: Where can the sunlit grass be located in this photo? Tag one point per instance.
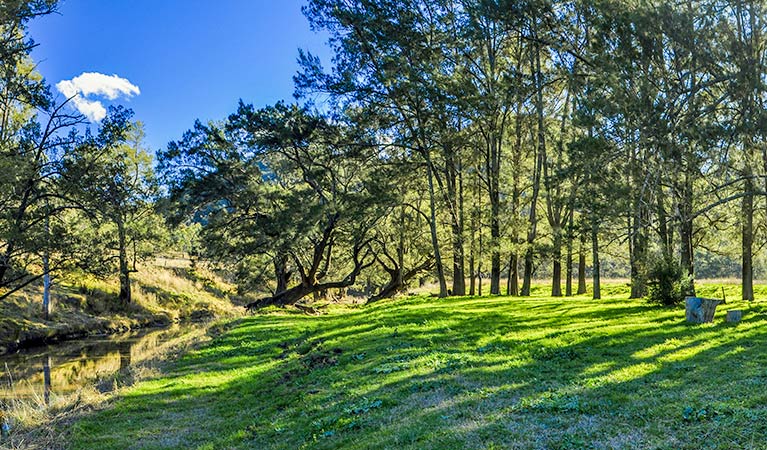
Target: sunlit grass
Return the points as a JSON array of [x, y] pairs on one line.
[[426, 373]]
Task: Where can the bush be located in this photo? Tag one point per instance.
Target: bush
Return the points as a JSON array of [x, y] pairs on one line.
[[668, 284]]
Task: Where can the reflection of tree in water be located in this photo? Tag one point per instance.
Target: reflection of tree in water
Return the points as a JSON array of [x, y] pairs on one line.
[[47, 380], [68, 366], [125, 356]]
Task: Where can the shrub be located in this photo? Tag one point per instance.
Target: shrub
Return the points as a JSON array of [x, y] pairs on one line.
[[668, 284]]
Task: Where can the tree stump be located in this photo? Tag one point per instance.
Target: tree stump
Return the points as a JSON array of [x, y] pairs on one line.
[[734, 315], [701, 310]]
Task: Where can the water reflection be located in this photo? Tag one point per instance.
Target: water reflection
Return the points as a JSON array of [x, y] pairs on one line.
[[64, 368]]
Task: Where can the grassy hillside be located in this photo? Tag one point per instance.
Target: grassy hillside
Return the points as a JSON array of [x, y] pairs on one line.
[[479, 373], [82, 303]]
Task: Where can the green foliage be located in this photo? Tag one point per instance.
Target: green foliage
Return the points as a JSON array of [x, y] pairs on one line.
[[111, 179], [280, 189], [668, 283]]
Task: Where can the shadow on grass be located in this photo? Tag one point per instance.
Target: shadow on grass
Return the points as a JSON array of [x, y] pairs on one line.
[[459, 373]]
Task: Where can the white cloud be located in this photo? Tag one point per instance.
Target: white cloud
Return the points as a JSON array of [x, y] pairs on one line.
[[98, 85]]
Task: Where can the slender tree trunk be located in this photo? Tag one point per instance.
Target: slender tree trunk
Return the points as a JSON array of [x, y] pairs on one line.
[[595, 257], [582, 263], [663, 233], [638, 231], [538, 168], [46, 266], [479, 265], [433, 230], [401, 247], [686, 231], [569, 257], [459, 282], [747, 240], [555, 203], [495, 211], [454, 200], [556, 278], [472, 274], [125, 288], [516, 160], [46, 287], [472, 245], [459, 278]]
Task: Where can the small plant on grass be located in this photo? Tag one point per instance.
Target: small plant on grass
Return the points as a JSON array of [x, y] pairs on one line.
[[668, 285]]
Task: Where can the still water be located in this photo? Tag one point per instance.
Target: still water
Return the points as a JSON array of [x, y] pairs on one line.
[[43, 373]]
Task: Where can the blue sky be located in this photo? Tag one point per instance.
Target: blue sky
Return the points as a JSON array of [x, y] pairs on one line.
[[190, 59]]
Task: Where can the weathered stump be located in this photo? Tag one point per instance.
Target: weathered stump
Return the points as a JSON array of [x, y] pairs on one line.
[[734, 315], [701, 310]]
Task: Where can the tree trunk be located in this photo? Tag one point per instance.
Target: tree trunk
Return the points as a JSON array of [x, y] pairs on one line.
[[309, 284], [495, 210], [433, 230], [281, 273], [686, 229], [453, 196], [663, 233], [459, 282], [537, 169], [747, 241], [472, 274], [46, 287], [459, 274], [595, 258], [479, 265], [569, 257], [556, 277], [125, 288], [582, 264], [513, 275], [398, 280], [638, 256]]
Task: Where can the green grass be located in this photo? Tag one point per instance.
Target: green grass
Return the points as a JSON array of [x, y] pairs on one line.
[[481, 373]]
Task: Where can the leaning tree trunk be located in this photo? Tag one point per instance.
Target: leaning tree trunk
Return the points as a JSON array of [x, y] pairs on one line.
[[398, 280], [309, 284]]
